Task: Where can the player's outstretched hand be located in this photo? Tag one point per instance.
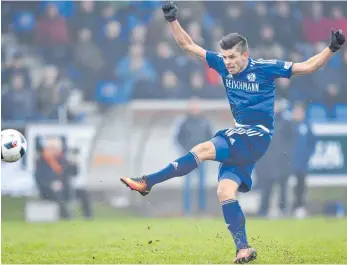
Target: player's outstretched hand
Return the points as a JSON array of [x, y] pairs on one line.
[[170, 11], [337, 40]]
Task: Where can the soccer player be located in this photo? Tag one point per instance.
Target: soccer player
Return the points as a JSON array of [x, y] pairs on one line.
[[250, 89]]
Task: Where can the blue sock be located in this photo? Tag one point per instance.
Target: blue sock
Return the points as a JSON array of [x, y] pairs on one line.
[[235, 220], [180, 167]]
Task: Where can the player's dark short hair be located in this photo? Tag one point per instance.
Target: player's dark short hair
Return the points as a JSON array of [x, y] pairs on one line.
[[234, 39]]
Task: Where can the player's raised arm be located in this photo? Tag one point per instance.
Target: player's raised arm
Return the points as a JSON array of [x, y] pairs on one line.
[[181, 36], [317, 61]]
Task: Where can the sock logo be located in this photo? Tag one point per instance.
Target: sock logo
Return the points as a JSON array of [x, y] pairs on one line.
[[175, 165]]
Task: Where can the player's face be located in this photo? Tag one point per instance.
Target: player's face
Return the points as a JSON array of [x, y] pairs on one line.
[[234, 60]]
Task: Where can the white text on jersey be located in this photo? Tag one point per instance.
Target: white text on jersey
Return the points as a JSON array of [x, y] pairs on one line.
[[242, 85]]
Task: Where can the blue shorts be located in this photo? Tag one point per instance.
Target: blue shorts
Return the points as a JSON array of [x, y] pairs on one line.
[[238, 149]]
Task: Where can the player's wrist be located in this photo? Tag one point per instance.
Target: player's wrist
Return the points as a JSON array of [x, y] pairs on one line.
[[333, 48], [171, 19]]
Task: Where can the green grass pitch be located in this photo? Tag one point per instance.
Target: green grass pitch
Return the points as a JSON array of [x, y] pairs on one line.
[[174, 241]]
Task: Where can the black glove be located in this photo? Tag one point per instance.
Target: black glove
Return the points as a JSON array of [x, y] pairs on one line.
[[337, 40], [170, 11]]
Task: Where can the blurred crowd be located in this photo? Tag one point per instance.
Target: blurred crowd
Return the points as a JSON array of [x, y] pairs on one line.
[[57, 53]]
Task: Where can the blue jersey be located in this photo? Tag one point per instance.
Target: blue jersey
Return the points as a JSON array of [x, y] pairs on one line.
[[251, 93]]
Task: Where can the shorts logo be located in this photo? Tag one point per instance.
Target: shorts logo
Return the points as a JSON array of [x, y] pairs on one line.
[[175, 165], [287, 65]]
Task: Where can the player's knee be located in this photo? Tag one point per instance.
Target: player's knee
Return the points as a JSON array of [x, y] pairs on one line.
[[227, 190], [205, 151]]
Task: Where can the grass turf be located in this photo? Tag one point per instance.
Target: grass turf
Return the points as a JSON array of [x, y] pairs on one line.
[[175, 241]]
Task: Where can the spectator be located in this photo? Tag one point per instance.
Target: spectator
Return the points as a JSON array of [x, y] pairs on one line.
[[269, 48], [15, 66], [199, 88], [18, 103], [164, 54], [112, 47], [139, 35], [108, 13], [172, 87], [197, 84], [316, 25], [51, 93], [285, 25], [260, 16], [283, 87], [50, 173], [344, 80], [195, 31], [323, 77], [332, 96], [234, 15], [338, 20], [86, 17], [88, 60], [194, 128], [274, 167], [135, 68], [52, 35], [302, 149]]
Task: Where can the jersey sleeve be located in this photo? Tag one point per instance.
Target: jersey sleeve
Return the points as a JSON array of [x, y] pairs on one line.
[[280, 69], [215, 61]]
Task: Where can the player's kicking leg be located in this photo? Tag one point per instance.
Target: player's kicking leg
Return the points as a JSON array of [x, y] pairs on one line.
[[180, 167]]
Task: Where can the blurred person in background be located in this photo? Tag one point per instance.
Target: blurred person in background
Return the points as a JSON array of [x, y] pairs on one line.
[[338, 18], [192, 129], [86, 17], [300, 88], [164, 54], [260, 16], [238, 148], [194, 29], [285, 25], [49, 173], [315, 25], [51, 93], [344, 80], [53, 36], [269, 46], [274, 167], [112, 47], [331, 97], [16, 65], [135, 68], [172, 86], [328, 74], [56, 167], [139, 34], [198, 86], [74, 187], [283, 88], [88, 59], [234, 15], [20, 95], [303, 148], [108, 13]]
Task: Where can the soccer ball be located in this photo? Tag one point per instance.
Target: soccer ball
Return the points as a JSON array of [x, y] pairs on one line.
[[13, 145]]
